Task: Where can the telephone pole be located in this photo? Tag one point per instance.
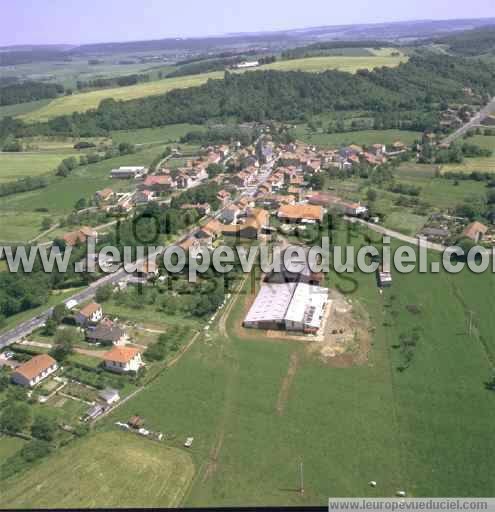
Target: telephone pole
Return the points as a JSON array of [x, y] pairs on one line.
[[301, 474]]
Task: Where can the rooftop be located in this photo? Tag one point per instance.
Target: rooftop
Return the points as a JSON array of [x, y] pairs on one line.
[[35, 366]]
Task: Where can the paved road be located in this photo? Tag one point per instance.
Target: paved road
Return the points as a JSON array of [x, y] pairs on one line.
[[475, 121], [398, 236]]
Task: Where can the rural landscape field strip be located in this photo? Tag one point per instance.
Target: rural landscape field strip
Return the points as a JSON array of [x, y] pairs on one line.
[[89, 100]]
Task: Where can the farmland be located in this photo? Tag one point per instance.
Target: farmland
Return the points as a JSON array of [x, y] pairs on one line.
[[151, 476], [88, 100], [61, 194], [20, 165], [362, 137], [379, 423]]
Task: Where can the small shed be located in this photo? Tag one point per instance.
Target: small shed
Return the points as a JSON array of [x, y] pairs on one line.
[[110, 396]]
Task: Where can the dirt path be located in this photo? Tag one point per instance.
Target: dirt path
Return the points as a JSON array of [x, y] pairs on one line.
[[283, 395]]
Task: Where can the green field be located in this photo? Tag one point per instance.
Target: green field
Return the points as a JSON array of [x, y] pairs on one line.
[[164, 134], [362, 137], [85, 101], [85, 475], [22, 108], [347, 424], [9, 446], [472, 164], [60, 196], [20, 165], [349, 64]]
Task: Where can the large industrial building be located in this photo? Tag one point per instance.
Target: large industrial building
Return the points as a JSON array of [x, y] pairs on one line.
[[288, 306]]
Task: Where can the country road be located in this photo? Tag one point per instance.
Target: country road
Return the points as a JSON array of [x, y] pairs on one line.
[[474, 122]]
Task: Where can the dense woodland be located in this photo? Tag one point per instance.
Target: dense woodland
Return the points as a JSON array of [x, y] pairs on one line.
[[331, 46], [471, 43], [117, 81], [12, 94], [422, 84]]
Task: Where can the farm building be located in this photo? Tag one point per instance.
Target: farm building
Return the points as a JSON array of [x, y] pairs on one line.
[[34, 371], [298, 271], [289, 306], [305, 311], [269, 307], [129, 172]]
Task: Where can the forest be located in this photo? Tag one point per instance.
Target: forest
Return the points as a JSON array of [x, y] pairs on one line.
[[12, 94], [424, 83]]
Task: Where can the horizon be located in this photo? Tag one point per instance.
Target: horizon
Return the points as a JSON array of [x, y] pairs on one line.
[[26, 26]]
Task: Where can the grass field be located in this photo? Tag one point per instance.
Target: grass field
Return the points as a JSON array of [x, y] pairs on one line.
[[9, 446], [165, 134], [472, 164], [347, 424], [150, 475], [349, 64], [19, 165], [366, 137], [22, 108], [85, 101], [60, 196]]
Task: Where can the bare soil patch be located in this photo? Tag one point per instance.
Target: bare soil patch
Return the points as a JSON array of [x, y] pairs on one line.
[[283, 395]]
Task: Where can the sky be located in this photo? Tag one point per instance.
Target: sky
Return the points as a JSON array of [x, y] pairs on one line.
[[92, 21]]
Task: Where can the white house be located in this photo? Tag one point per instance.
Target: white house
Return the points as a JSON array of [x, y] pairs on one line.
[[123, 359], [34, 371], [89, 314]]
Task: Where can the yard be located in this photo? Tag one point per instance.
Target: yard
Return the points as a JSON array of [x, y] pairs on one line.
[[84, 475]]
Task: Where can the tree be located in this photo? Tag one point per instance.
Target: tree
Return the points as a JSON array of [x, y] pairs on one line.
[[371, 195], [43, 428], [59, 313], [50, 327], [46, 224], [80, 204], [104, 293], [15, 418], [64, 343]]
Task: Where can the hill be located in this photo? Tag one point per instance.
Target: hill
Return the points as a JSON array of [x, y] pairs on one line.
[[416, 85], [85, 101]]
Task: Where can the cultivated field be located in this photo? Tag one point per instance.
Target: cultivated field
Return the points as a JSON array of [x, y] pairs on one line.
[[88, 100], [164, 134], [364, 137], [26, 211], [107, 470], [20, 165], [472, 164], [341, 63], [85, 101]]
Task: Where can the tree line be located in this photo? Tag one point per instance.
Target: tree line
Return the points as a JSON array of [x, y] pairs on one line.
[[28, 91]]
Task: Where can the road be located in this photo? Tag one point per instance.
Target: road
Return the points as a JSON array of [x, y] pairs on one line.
[[27, 327], [398, 236], [473, 123]]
